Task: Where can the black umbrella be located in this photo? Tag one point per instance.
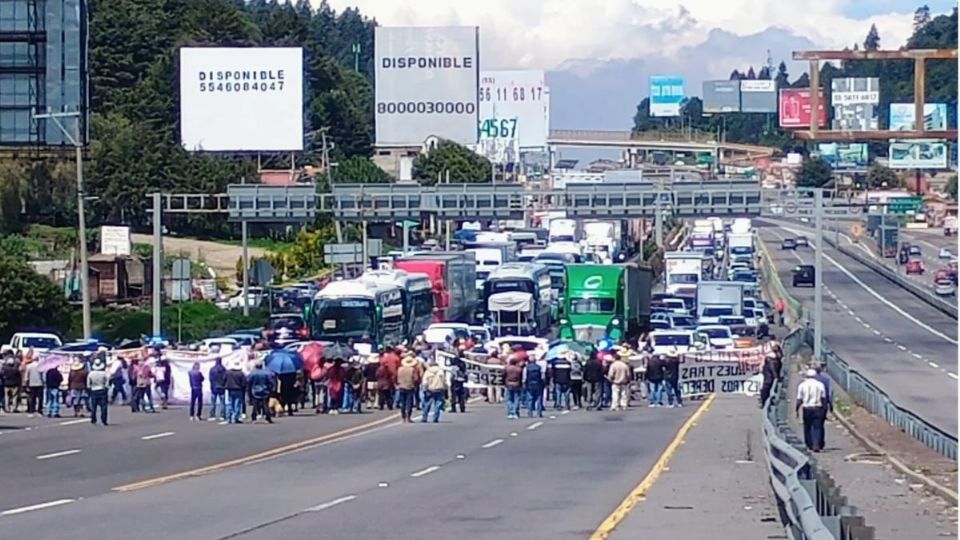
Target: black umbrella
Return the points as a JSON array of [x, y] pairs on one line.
[[337, 350]]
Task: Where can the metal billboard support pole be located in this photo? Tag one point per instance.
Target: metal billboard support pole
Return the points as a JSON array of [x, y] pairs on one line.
[[246, 268], [818, 278], [157, 298]]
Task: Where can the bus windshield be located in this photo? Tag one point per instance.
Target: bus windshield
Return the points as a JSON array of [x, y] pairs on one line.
[[343, 317], [509, 285]]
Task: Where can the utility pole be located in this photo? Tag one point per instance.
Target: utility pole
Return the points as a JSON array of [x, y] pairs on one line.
[[355, 48], [818, 277], [157, 295], [77, 142]]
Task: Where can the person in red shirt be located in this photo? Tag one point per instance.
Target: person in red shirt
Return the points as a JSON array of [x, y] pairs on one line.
[[779, 307]]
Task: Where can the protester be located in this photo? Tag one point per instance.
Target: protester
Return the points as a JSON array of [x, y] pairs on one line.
[[370, 391], [811, 397], [356, 383], [458, 378], [513, 381], [136, 393], [620, 377], [163, 374], [593, 377], [235, 384], [671, 377], [770, 372], [435, 388], [318, 376], [576, 379], [97, 383], [778, 306], [533, 383], [196, 392], [386, 386], [335, 377], [34, 381], [391, 360], [827, 400], [145, 377], [218, 390], [654, 377], [407, 381], [77, 381], [261, 384], [560, 374], [53, 379], [118, 381], [12, 383]]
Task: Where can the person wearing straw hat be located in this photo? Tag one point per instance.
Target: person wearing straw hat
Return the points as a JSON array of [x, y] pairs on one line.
[[77, 381], [97, 384], [408, 376]]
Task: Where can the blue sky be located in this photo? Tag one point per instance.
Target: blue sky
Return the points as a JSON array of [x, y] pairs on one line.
[[861, 9]]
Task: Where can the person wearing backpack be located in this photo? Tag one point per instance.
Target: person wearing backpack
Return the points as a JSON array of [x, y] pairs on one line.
[[260, 383], [218, 390], [458, 392], [434, 390], [533, 383]]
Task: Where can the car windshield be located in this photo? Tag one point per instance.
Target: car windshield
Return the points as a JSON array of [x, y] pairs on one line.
[[716, 333], [717, 311], [732, 321], [292, 322], [665, 340], [41, 342], [683, 321], [583, 306]]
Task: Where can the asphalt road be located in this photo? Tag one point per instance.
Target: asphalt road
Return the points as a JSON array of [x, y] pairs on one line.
[[906, 347], [476, 475]]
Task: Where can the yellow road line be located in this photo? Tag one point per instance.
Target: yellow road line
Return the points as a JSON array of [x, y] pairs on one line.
[[261, 456], [639, 493]]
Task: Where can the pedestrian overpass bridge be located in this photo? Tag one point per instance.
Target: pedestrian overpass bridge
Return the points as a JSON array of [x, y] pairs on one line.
[[637, 144]]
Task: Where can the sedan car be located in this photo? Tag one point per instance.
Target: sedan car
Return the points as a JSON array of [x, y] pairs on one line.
[[945, 254], [805, 274], [943, 287], [788, 243], [914, 267], [914, 251], [801, 241]]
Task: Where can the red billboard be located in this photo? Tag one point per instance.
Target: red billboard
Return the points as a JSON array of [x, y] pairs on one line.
[[795, 108]]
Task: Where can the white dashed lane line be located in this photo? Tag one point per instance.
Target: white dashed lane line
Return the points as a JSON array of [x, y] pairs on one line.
[[157, 436], [59, 454], [534, 425], [934, 365], [876, 332], [954, 375], [72, 422], [424, 472], [331, 504], [901, 347], [492, 443], [917, 356], [32, 507]]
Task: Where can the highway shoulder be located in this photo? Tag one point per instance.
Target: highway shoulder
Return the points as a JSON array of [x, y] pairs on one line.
[[716, 484]]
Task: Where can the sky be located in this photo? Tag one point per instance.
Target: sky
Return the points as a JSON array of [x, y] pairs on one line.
[[546, 34]]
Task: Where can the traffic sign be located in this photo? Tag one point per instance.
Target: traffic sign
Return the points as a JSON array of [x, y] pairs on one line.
[[790, 207], [904, 205]]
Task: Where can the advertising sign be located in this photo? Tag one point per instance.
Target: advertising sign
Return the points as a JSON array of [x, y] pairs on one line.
[[115, 240], [515, 104], [426, 84], [844, 155], [795, 108], [918, 154], [855, 103], [721, 96], [758, 96], [902, 117], [246, 99], [666, 95]]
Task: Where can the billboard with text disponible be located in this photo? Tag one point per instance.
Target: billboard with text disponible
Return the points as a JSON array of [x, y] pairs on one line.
[[758, 96], [903, 116], [855, 102], [918, 154], [666, 95], [241, 99], [426, 84], [795, 108], [515, 104], [721, 96]]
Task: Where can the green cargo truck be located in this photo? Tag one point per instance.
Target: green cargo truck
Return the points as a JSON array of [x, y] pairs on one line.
[[606, 300]]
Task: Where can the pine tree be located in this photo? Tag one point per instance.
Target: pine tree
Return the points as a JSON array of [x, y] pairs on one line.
[[764, 74], [921, 17], [751, 75], [872, 42]]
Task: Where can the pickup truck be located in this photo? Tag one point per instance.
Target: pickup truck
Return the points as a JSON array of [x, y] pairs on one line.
[[21, 342]]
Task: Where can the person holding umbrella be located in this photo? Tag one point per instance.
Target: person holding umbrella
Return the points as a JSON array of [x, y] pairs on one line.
[[285, 364]]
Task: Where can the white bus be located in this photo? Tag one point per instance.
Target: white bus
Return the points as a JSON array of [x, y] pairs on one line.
[[518, 299]]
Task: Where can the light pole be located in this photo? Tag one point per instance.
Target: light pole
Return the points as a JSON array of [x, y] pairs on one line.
[[77, 142]]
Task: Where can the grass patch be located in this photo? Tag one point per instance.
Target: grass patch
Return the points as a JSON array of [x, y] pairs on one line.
[[195, 321]]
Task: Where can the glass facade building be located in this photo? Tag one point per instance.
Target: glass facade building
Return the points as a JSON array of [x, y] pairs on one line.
[[43, 68]]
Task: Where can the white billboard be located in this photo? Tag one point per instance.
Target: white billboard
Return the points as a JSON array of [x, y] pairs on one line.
[[855, 103], [426, 84], [918, 154], [115, 240], [515, 104], [241, 99]]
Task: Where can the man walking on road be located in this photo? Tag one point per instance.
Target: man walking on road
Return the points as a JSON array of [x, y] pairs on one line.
[[593, 377], [407, 380], [196, 392], [261, 383], [513, 382], [235, 384], [34, 380], [671, 377], [434, 390], [654, 376], [458, 392], [97, 384], [533, 383], [619, 376], [827, 401], [779, 307], [560, 373], [811, 396], [771, 373], [53, 379]]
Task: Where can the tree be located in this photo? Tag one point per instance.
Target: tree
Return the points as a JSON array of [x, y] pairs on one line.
[[751, 75], [879, 176], [359, 170], [782, 78], [463, 164], [951, 188], [764, 74], [735, 75], [26, 297], [872, 41], [814, 173], [921, 17]]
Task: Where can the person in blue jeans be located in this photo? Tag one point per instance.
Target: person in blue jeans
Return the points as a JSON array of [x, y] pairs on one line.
[[513, 381], [236, 383], [533, 384], [97, 383], [671, 377], [218, 390], [654, 377], [434, 387], [196, 392], [52, 380]]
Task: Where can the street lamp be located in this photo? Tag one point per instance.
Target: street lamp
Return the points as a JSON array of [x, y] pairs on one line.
[[77, 142]]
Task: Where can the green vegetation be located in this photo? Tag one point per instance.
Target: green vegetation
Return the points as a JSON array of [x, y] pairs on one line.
[[195, 320], [814, 173], [28, 296], [359, 170], [463, 165], [951, 188], [879, 176]]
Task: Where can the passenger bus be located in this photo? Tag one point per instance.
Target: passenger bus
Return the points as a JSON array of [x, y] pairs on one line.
[[416, 290], [518, 299], [358, 311]]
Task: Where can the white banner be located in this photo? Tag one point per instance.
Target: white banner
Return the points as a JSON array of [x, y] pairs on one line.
[[246, 99], [515, 104], [426, 84], [698, 377], [181, 362]]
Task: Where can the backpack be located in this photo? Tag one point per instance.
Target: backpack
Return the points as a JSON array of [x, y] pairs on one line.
[[435, 381], [534, 375], [260, 388]]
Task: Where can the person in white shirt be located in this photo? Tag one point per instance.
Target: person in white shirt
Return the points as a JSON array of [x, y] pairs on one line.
[[811, 396]]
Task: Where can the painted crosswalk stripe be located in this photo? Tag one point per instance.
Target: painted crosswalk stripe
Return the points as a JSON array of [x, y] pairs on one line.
[[59, 454]]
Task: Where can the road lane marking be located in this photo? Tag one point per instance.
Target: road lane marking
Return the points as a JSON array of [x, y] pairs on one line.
[[492, 443], [330, 504], [59, 454], [954, 375], [917, 356], [639, 493], [852, 314], [424, 472], [72, 422], [876, 332], [901, 347], [157, 436], [362, 429], [534, 425], [888, 340], [41, 506], [934, 365], [564, 412]]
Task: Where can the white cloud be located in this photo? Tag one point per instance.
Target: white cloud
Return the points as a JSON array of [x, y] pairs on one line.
[[545, 33]]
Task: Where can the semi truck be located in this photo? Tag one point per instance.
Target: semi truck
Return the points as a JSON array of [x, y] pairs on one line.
[[887, 237], [453, 275], [606, 300]]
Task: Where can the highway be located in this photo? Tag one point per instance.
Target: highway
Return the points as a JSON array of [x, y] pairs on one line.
[[906, 347], [478, 474]]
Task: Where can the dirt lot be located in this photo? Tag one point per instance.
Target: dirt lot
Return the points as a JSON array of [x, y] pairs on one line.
[[221, 257]]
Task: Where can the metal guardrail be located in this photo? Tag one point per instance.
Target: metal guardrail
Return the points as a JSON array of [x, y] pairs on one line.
[[950, 308], [810, 503]]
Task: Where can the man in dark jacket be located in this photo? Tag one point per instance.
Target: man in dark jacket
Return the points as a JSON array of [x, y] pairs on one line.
[[261, 383], [533, 383], [235, 384], [12, 382], [458, 378], [560, 374], [513, 382], [52, 381], [593, 378], [654, 376], [671, 378], [218, 390]]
